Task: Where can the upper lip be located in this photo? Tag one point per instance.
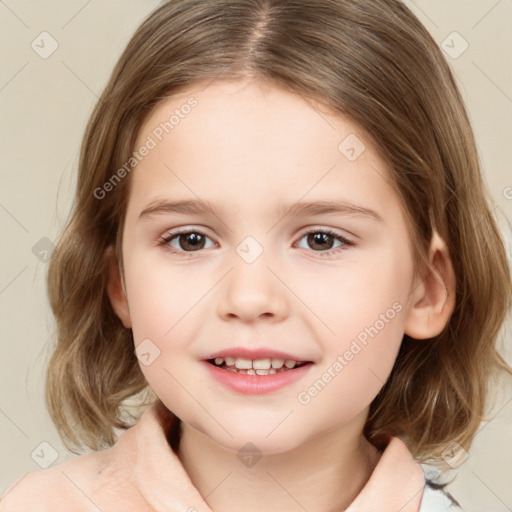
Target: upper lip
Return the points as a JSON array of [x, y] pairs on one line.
[[254, 354]]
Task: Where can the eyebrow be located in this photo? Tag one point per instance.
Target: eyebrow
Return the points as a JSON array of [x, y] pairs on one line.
[[312, 208]]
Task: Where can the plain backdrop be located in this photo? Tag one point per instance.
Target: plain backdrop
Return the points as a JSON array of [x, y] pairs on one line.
[[45, 101]]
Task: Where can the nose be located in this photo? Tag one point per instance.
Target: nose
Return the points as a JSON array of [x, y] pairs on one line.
[[252, 291]]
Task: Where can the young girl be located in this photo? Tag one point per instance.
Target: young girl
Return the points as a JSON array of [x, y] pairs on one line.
[[281, 244]]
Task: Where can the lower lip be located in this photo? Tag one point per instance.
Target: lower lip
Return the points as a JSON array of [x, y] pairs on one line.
[[257, 384]]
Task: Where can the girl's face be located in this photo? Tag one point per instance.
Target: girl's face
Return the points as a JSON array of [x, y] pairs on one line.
[[263, 272]]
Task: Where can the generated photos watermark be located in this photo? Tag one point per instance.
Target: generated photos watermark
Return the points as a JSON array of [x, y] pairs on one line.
[[157, 135], [357, 345]]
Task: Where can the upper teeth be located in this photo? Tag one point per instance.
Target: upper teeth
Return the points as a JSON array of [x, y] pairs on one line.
[[258, 364]]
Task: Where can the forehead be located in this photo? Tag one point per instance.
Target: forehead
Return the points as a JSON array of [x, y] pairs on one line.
[[243, 140]]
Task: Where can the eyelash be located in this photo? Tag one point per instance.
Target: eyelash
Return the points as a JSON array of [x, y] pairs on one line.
[[167, 238]]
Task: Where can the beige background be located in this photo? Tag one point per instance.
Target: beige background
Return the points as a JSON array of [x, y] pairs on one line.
[[44, 105]]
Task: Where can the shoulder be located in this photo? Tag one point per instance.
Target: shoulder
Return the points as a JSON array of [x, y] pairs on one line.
[[59, 488], [435, 499], [91, 482]]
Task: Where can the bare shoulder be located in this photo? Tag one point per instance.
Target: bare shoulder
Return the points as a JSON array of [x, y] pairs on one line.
[[63, 487]]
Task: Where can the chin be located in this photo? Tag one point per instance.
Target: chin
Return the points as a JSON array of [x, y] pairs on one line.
[[267, 439]]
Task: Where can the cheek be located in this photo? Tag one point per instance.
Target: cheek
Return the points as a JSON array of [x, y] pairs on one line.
[[162, 295], [345, 300], [166, 314], [356, 361], [362, 312], [167, 307]]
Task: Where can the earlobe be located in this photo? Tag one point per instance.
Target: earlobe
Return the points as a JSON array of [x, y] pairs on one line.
[[433, 296], [115, 288]]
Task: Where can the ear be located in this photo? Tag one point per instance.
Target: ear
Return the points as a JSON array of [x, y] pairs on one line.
[[433, 295], [115, 288]]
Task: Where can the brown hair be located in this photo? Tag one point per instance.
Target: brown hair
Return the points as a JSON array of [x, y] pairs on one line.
[[371, 61]]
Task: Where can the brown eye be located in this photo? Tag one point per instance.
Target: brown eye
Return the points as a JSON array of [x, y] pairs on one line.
[[185, 241], [191, 241], [323, 241]]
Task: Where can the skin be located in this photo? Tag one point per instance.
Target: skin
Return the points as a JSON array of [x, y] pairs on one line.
[[249, 148]]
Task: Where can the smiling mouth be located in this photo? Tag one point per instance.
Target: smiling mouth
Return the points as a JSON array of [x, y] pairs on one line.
[[267, 366]]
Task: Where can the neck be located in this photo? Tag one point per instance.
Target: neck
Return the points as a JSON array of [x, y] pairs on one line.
[[324, 474]]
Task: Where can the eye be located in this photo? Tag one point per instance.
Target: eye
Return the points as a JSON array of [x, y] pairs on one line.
[[324, 240], [190, 241], [184, 241]]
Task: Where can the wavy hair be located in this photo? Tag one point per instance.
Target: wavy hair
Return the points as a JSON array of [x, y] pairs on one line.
[[371, 61]]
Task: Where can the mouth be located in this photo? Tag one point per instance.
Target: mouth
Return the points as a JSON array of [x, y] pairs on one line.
[[256, 371], [264, 366]]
